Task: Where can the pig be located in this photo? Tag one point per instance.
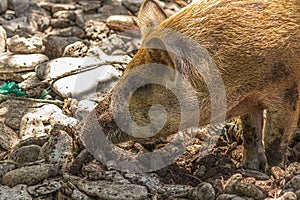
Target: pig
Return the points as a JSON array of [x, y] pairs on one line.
[[252, 45]]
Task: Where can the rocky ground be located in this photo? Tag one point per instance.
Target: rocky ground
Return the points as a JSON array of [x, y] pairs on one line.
[[58, 58]]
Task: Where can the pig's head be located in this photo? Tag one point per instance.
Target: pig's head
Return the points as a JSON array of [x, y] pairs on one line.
[[159, 92]]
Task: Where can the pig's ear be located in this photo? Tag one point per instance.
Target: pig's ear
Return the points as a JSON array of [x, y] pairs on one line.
[[159, 54], [150, 15]]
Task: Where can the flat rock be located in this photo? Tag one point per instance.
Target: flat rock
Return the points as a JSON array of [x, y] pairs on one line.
[[112, 191], [40, 121], [92, 84], [55, 45], [8, 137], [3, 38], [68, 32], [21, 25], [34, 12], [109, 10], [63, 6], [21, 45], [293, 184], [58, 149], [18, 192], [65, 14], [25, 154], [203, 191], [29, 175], [12, 111], [78, 195], [61, 23], [44, 188], [132, 5], [60, 66], [25, 60]]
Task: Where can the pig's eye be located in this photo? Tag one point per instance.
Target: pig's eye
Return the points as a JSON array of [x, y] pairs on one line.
[[143, 91]]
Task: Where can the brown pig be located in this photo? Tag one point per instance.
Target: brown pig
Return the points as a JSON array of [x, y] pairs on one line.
[[236, 57]]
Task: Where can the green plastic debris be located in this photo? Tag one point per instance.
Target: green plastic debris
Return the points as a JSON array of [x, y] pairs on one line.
[[11, 88], [45, 93]]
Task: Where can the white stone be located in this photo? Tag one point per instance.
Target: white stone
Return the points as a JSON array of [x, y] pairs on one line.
[[29, 60]]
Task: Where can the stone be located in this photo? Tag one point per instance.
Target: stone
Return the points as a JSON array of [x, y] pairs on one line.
[[25, 60], [3, 38], [3, 6], [61, 23], [25, 154], [21, 45], [132, 5], [68, 32], [21, 26], [44, 188], [113, 191], [293, 184], [109, 10], [55, 45], [8, 137], [63, 6], [5, 167], [90, 84], [65, 14], [18, 192], [90, 6], [82, 18], [96, 30], [60, 66], [17, 109], [39, 121], [203, 191], [32, 11], [29, 175], [122, 22], [77, 49], [78, 195], [58, 149], [84, 107]]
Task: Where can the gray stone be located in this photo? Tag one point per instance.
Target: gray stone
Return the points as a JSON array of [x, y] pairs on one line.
[[112, 191], [84, 107], [8, 137], [3, 6], [132, 5], [6, 167], [3, 38], [32, 11], [21, 45], [21, 25], [29, 175], [25, 154], [44, 188], [203, 191], [90, 6], [293, 184], [55, 45], [227, 197], [68, 32], [109, 10], [78, 195], [18, 192], [61, 23], [58, 149]]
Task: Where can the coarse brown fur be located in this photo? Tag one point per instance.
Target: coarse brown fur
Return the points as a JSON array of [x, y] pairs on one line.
[[255, 46]]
